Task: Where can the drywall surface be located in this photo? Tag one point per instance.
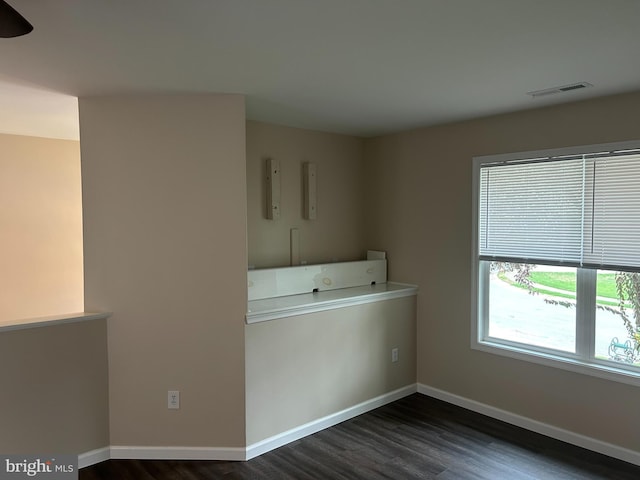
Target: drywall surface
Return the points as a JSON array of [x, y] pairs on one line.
[[164, 193], [41, 234], [54, 389], [422, 216], [302, 368], [337, 234]]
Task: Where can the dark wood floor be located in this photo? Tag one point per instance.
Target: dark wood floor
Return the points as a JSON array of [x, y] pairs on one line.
[[415, 437]]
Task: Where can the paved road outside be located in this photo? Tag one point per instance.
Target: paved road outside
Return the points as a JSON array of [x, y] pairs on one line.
[[519, 316]]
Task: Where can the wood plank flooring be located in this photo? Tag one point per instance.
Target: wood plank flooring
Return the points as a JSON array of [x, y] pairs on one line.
[[416, 437]]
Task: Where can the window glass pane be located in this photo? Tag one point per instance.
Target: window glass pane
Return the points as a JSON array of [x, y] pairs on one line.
[[533, 304], [616, 324]]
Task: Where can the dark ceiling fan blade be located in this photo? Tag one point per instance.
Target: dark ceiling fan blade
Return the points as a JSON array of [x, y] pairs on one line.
[[12, 24]]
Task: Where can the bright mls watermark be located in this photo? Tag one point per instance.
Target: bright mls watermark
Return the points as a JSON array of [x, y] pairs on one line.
[[50, 467]]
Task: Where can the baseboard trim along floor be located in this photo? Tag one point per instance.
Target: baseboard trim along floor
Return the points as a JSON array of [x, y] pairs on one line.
[[567, 436], [240, 454], [94, 456], [289, 436], [178, 453], [276, 441]]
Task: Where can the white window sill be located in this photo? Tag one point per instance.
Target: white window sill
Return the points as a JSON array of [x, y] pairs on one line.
[[291, 305], [605, 370], [26, 323]]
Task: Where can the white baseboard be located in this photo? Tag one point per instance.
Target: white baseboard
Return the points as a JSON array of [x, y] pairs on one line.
[[271, 443], [178, 453], [567, 436], [240, 453], [160, 453], [94, 456], [296, 433]]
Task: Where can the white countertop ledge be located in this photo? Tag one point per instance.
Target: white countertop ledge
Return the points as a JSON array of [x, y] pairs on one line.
[[291, 305], [52, 320]]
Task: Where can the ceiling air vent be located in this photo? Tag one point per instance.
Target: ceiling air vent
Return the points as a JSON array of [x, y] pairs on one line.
[[562, 89]]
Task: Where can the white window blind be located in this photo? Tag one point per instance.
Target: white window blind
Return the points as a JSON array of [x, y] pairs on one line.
[[579, 210], [612, 212]]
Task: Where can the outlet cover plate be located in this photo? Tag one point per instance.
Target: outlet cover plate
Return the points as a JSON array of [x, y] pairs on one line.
[[173, 399]]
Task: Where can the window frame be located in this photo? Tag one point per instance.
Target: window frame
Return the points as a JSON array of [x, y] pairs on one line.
[[583, 361]]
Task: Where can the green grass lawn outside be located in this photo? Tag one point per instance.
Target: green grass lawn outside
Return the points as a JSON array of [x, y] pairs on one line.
[[605, 287], [566, 281]]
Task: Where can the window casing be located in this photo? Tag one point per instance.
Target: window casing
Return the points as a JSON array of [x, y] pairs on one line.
[[571, 210]]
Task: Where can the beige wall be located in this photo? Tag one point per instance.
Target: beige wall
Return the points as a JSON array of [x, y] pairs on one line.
[[302, 368], [423, 219], [338, 232], [54, 389], [164, 197], [41, 234]]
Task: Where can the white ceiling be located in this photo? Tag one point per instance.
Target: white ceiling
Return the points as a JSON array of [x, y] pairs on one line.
[[361, 67]]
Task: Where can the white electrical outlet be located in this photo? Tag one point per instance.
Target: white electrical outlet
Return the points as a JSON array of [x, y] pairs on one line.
[[173, 399], [394, 354]]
